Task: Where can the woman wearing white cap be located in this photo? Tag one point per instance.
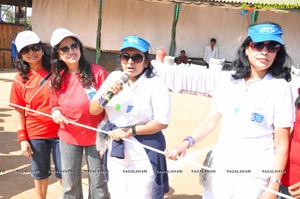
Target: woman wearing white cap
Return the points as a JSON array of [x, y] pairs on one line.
[[256, 108], [74, 83], [139, 111], [37, 134]]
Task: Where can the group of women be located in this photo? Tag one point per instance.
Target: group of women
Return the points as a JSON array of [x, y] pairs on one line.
[[254, 103]]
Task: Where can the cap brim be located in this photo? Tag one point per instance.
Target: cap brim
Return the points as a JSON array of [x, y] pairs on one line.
[[58, 40], [261, 38]]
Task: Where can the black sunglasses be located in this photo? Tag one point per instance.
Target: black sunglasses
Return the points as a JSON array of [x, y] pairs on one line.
[[73, 46], [272, 47], [136, 58], [34, 48]]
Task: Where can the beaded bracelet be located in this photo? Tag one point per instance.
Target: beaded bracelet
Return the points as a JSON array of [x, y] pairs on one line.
[[191, 140]]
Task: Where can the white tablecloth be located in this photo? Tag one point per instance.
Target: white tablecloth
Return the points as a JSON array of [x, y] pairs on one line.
[[188, 78]]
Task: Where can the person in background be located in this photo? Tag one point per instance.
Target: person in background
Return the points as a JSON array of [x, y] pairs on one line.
[[14, 53], [211, 51], [74, 83], [182, 58], [291, 178], [256, 108], [139, 111], [37, 134]]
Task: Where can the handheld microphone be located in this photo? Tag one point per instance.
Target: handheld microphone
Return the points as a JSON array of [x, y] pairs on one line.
[[109, 95]]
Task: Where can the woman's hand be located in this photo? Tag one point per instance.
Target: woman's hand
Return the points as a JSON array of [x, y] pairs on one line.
[[120, 133], [176, 152], [115, 87], [26, 149], [58, 117], [294, 190]]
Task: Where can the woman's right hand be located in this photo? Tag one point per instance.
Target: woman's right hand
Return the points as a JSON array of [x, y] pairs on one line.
[[58, 117], [26, 149], [177, 152], [294, 190], [115, 87]]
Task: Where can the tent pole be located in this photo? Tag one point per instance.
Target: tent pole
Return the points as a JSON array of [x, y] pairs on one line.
[[98, 42], [254, 17], [25, 23], [173, 42]]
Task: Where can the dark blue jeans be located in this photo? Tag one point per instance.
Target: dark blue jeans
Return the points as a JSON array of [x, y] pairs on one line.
[[283, 190]]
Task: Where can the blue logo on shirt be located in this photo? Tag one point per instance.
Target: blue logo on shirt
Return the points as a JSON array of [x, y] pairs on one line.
[[129, 108], [257, 117]]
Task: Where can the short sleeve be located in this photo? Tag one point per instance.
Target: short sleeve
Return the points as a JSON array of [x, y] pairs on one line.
[[16, 96]]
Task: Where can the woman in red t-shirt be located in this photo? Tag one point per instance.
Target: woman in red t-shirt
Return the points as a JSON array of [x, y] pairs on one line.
[[291, 179], [74, 83], [37, 134]]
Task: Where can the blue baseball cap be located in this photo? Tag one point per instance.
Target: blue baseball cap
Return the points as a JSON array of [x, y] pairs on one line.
[[135, 42], [265, 32]]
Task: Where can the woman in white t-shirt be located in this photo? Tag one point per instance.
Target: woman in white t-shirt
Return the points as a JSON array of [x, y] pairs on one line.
[[138, 111], [255, 107]]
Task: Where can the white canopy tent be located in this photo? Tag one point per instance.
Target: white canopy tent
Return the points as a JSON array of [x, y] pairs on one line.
[[153, 21]]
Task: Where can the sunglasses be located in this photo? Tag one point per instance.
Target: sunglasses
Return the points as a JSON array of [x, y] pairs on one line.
[[73, 46], [33, 48], [272, 47], [136, 58]]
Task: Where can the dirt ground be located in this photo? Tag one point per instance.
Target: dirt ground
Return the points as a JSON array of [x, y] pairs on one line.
[[187, 112]]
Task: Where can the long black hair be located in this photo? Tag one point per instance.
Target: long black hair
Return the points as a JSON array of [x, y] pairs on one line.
[[280, 68], [59, 68], [24, 67], [149, 69]]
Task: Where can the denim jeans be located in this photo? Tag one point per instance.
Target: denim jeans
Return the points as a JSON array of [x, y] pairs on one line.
[[283, 190], [71, 160], [41, 158]]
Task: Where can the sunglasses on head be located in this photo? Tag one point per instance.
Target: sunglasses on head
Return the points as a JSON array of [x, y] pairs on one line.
[[136, 58], [272, 47], [73, 46], [34, 48]]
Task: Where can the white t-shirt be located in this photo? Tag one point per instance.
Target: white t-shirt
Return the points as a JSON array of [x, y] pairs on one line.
[[248, 120], [209, 53], [147, 99]]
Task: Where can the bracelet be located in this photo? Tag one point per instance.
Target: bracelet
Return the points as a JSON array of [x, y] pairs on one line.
[[133, 130], [22, 135], [100, 101], [276, 180], [191, 140]]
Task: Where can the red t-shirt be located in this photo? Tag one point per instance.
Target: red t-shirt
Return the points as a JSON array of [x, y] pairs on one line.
[[74, 104], [35, 95], [292, 174]]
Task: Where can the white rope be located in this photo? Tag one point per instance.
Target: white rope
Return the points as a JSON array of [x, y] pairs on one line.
[[144, 146], [277, 193]]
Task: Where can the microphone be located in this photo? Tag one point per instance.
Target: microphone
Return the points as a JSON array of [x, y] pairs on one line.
[[106, 98]]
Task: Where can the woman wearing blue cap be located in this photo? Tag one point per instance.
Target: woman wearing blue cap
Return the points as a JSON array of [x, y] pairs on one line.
[[139, 111], [256, 108]]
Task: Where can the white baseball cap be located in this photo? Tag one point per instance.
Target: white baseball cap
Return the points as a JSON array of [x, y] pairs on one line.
[[26, 38], [59, 34]]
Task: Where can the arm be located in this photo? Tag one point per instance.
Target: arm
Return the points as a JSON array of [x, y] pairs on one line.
[[22, 133], [148, 128], [206, 127], [95, 107], [281, 140]]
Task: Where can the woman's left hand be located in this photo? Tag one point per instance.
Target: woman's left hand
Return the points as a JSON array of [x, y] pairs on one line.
[[120, 133]]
